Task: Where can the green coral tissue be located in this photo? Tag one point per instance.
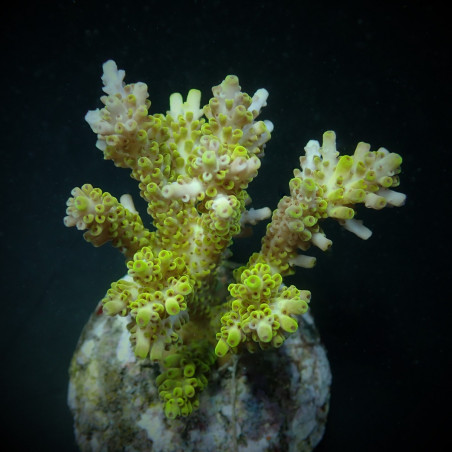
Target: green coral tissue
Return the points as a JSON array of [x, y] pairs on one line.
[[193, 165]]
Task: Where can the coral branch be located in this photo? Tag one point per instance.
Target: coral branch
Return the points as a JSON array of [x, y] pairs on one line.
[[193, 166]]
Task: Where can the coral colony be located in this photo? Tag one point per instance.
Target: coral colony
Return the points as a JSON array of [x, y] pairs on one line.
[[193, 166]]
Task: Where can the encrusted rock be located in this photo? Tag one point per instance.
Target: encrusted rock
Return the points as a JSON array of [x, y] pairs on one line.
[[269, 401]]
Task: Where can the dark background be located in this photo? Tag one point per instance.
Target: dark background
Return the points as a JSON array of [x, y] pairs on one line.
[[371, 71]]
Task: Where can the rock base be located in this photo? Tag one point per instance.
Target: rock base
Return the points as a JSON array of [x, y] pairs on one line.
[[269, 401]]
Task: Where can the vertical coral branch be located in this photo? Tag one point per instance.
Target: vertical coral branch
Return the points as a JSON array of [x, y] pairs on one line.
[[193, 166]]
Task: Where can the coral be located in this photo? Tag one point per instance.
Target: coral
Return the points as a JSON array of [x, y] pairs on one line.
[[193, 166]]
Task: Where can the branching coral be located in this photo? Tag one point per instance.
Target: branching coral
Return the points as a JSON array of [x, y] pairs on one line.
[[193, 166]]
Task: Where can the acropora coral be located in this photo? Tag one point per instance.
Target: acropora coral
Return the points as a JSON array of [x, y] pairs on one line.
[[193, 166]]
